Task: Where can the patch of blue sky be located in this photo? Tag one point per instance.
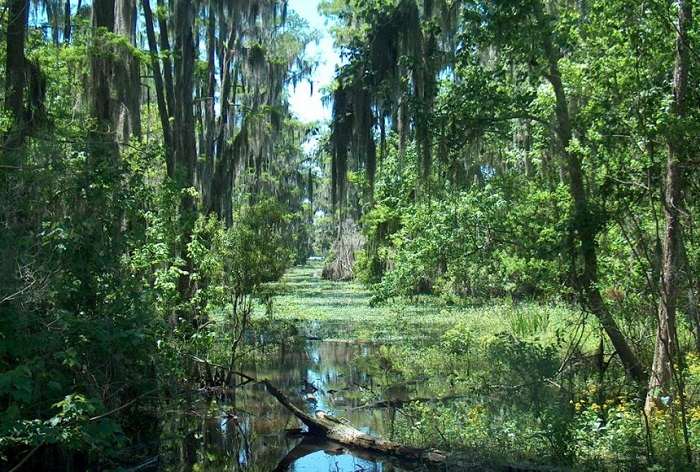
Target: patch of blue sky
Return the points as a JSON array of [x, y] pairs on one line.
[[305, 99]]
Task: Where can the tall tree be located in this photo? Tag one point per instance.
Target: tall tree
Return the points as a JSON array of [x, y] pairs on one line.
[[584, 224], [101, 68], [666, 348], [184, 132], [67, 23]]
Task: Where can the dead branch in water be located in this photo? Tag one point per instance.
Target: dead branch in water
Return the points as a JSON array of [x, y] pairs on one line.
[[324, 425]]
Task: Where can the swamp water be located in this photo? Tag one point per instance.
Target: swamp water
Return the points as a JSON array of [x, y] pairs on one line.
[[250, 432]]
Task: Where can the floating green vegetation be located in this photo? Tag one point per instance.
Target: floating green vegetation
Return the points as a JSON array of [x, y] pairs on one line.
[[342, 310]]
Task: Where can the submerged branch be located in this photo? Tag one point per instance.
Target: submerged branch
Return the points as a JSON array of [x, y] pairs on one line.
[[327, 426]]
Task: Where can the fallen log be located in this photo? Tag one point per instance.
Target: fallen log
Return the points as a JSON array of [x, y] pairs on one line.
[[332, 428]]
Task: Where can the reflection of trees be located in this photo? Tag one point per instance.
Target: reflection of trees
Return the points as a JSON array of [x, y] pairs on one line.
[[252, 436], [311, 445], [218, 443]]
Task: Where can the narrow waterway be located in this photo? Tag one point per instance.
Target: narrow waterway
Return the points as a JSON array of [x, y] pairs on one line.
[[321, 368]]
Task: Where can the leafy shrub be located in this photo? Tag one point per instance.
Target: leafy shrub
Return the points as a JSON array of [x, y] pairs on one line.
[[483, 242]]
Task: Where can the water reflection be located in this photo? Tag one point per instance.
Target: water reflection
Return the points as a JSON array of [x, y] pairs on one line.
[[249, 432]]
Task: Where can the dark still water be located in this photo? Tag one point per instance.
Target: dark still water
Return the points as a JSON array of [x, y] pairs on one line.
[[250, 432]]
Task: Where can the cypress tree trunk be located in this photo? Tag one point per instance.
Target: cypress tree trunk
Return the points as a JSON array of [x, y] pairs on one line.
[[209, 128], [101, 67], [666, 339], [185, 146], [184, 133], [167, 63], [127, 79], [223, 160], [16, 73], [101, 248], [52, 17], [427, 94]]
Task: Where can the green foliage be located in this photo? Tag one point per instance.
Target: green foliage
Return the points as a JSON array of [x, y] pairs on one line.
[[94, 250], [74, 427], [472, 243], [79, 318], [458, 130], [254, 250]]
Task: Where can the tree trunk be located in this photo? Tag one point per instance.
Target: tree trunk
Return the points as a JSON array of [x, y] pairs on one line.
[[209, 128], [223, 155], [16, 73], [184, 133], [583, 224], [666, 341], [52, 17], [167, 61], [694, 313], [101, 66], [127, 79], [403, 127], [66, 23], [426, 92], [160, 89]]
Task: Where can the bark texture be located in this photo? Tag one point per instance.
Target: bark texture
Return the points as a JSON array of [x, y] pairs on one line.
[[127, 78], [184, 134], [223, 164], [101, 66], [165, 49], [66, 22]]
